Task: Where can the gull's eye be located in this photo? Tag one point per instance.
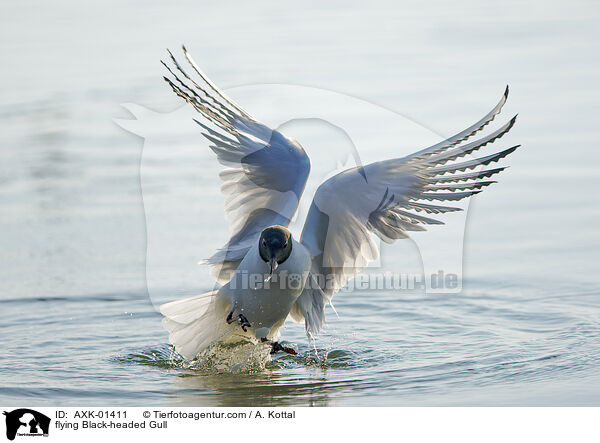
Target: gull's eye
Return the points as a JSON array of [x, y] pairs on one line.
[[264, 243]]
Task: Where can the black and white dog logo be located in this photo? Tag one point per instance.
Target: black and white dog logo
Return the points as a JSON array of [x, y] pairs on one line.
[[26, 422]]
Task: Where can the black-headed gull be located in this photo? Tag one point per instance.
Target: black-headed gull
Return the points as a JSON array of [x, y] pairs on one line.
[[266, 274]]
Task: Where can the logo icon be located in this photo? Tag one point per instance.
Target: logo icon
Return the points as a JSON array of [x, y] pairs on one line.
[[26, 422]]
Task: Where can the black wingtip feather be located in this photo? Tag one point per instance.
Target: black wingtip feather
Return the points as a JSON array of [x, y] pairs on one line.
[[500, 155]]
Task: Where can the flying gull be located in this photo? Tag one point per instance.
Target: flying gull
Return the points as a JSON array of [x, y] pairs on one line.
[[264, 176]]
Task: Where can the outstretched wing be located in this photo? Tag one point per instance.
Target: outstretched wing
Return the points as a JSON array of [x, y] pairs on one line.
[[388, 199], [265, 171]]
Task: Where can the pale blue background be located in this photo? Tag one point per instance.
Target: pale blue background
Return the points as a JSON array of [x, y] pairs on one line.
[[77, 325]]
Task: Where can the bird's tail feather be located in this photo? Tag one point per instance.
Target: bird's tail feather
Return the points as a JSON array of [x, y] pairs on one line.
[[194, 323]]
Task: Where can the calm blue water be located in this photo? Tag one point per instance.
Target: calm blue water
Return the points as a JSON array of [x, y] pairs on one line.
[[78, 325]]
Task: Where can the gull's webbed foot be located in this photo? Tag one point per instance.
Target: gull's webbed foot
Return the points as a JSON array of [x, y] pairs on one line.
[[243, 321], [276, 347]]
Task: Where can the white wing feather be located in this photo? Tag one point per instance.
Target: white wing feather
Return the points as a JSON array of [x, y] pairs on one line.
[[265, 171], [383, 199]]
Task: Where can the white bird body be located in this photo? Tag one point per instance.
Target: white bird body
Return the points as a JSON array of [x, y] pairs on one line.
[[264, 178], [266, 304]]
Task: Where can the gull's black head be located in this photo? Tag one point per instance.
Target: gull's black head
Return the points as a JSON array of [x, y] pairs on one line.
[[275, 245]]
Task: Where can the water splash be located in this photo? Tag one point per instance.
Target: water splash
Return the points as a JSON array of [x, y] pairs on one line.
[[239, 358], [233, 358], [228, 358]]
